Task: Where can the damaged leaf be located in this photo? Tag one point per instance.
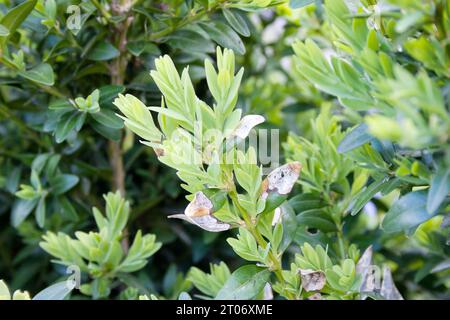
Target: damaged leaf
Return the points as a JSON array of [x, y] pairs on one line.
[[199, 212], [388, 289], [282, 179], [246, 124], [312, 280]]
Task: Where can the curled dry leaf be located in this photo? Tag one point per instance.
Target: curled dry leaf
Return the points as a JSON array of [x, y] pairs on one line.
[[312, 280], [199, 206], [282, 179], [370, 277], [199, 212], [388, 289], [246, 124]]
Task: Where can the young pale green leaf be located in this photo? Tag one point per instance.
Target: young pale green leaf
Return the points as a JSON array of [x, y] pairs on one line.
[[245, 245], [42, 74], [244, 284], [210, 284]]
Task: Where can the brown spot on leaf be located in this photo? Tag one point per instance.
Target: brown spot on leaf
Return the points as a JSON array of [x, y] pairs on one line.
[[199, 212], [199, 206]]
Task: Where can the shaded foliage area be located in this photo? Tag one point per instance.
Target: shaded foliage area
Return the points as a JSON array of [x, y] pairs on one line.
[[358, 89]]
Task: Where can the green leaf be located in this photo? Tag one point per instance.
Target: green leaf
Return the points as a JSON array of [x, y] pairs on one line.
[[108, 93], [21, 210], [190, 41], [63, 183], [245, 283], [224, 35], [439, 189], [365, 195], [306, 201], [67, 123], [103, 51], [40, 212], [67, 209], [14, 18], [296, 4], [107, 132], [57, 291], [237, 22], [42, 74], [407, 213], [108, 118], [355, 138], [4, 31], [138, 47], [316, 218]]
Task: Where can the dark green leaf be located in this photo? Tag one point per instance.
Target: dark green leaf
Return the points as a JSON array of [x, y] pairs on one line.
[[190, 41], [42, 74], [366, 194], [103, 51], [21, 210], [67, 210], [63, 183], [439, 189], [355, 138], [108, 93], [317, 219], [108, 118], [224, 35], [109, 133], [40, 212], [237, 22], [67, 123], [306, 201], [407, 213], [14, 18]]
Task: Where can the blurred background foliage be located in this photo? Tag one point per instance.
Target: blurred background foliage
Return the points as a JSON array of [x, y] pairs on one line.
[[58, 157]]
